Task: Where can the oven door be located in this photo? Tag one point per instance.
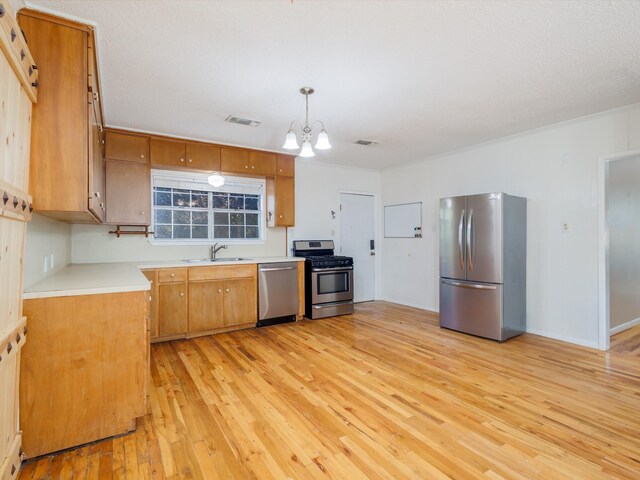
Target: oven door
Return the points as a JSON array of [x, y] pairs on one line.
[[331, 284]]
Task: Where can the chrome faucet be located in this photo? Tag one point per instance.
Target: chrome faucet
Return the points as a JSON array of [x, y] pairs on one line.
[[215, 249]]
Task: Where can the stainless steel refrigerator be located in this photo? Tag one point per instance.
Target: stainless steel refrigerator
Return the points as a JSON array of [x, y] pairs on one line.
[[483, 264]]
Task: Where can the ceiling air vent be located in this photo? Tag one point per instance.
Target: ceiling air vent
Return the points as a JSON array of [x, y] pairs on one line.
[[366, 143], [242, 121]]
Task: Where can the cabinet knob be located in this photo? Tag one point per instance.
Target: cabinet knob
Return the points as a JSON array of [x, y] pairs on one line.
[[182, 294], [96, 194], [227, 290], [280, 216], [280, 170], [219, 290], [172, 275], [102, 206], [182, 160], [253, 167], [189, 160], [142, 213], [142, 155], [246, 166]]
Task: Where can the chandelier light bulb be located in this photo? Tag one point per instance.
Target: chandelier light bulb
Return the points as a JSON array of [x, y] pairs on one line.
[[307, 151], [323, 140], [291, 142], [216, 180]]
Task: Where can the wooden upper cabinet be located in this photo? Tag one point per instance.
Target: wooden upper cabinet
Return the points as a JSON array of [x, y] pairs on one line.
[[262, 163], [285, 202], [97, 183], [61, 134], [123, 146], [128, 193], [234, 160], [286, 165], [203, 156], [167, 152]]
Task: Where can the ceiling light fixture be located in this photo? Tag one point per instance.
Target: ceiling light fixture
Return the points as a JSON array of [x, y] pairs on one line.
[[215, 179], [291, 141]]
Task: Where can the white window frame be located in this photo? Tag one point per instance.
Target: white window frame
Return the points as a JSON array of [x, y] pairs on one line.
[[195, 180]]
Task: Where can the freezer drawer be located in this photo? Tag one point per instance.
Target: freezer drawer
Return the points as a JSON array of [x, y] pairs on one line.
[[474, 308]]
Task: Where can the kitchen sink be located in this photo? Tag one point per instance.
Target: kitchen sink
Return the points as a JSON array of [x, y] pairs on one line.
[[208, 260]]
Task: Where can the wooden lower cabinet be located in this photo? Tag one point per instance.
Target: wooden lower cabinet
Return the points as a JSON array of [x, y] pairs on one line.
[[172, 309], [206, 305], [202, 300], [85, 369]]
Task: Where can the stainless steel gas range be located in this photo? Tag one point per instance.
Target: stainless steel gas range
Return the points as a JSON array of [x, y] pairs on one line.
[[328, 279]]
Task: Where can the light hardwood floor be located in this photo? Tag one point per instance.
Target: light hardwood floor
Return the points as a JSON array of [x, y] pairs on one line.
[[384, 393]]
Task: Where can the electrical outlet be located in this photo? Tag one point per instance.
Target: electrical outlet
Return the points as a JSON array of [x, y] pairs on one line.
[[564, 226]]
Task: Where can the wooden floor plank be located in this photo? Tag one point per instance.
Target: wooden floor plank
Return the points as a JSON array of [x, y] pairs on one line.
[[383, 393]]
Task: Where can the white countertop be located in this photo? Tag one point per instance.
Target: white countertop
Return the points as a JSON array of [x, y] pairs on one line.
[[95, 278]]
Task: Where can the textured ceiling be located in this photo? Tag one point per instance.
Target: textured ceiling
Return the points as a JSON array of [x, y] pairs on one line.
[[419, 77]]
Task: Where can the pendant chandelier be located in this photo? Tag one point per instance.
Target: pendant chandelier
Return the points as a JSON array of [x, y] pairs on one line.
[[291, 142]]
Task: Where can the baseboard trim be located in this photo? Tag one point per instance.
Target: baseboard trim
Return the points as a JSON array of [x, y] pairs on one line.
[[624, 326], [409, 304], [564, 338]]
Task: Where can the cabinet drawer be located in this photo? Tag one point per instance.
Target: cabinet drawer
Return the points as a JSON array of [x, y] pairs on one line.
[[219, 272], [131, 148], [167, 275]]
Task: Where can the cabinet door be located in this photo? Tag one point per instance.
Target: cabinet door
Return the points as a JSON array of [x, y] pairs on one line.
[[172, 309], [167, 152], [234, 160], [240, 301], [285, 202], [206, 305], [96, 165], [262, 163], [153, 293], [203, 157], [286, 165], [128, 193], [131, 148]]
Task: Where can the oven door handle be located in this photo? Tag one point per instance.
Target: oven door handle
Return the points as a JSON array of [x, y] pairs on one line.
[[336, 269]]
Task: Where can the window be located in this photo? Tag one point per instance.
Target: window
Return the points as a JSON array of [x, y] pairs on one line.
[[186, 209]]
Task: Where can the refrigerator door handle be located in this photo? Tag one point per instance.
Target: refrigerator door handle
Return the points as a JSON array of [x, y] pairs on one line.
[[469, 285], [469, 240], [460, 230]]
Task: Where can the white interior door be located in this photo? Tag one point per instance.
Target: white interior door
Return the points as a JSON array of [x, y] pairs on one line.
[[357, 237]]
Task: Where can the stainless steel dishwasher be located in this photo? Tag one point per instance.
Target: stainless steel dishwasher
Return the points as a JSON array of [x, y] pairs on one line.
[[277, 293]]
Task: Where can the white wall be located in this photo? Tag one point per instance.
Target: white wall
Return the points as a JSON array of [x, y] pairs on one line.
[[93, 243], [556, 169], [318, 188], [45, 237]]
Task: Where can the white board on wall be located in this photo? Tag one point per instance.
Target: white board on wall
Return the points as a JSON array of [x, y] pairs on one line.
[[403, 220]]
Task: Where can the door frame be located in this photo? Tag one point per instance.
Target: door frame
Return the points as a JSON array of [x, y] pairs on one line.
[[376, 233], [604, 321]]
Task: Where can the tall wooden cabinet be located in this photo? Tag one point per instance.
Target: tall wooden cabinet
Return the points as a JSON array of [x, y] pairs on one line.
[[67, 177], [17, 74]]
